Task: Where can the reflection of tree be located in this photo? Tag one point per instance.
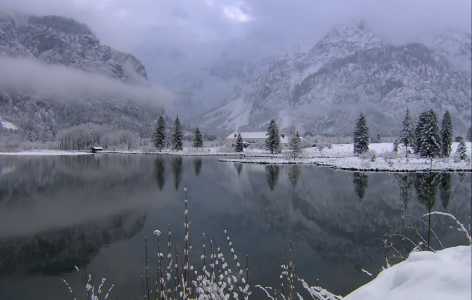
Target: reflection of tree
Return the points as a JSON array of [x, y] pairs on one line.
[[177, 170], [361, 182], [272, 174], [294, 174], [405, 181], [239, 168], [197, 165], [160, 172], [445, 188], [461, 176], [58, 251], [426, 186]]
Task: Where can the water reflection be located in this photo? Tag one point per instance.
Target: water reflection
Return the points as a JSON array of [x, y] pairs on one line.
[[160, 172], [272, 174], [361, 182], [197, 165], [405, 181], [177, 170], [445, 189], [239, 168], [293, 174], [59, 211]]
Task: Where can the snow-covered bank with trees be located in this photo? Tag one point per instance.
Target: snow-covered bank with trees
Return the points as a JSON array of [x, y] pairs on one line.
[[424, 275], [45, 152], [379, 158]]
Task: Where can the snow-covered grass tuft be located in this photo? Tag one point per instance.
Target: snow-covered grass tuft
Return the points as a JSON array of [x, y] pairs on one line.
[[215, 279]]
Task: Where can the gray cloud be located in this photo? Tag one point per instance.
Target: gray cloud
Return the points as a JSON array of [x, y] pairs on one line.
[[69, 84], [201, 30]]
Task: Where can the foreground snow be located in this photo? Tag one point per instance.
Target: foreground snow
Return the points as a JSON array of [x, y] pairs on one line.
[[445, 274], [45, 152]]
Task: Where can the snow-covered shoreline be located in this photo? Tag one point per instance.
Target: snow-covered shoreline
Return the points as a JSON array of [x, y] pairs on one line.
[[339, 156], [44, 153]]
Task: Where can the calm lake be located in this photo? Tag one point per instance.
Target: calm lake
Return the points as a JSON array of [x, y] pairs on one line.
[[57, 212]]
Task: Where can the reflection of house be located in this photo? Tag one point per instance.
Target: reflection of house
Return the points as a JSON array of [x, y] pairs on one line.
[[253, 137]]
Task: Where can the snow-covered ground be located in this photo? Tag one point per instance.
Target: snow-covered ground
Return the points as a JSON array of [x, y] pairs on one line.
[[45, 152], [341, 156], [445, 274]]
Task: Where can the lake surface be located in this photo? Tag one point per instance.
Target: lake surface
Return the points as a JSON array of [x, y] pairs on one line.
[[65, 211]]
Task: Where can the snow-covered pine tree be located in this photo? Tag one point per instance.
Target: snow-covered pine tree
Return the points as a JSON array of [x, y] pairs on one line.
[[272, 142], [159, 136], [447, 134], [239, 143], [431, 137], [461, 152], [361, 136], [296, 145], [177, 135], [419, 131], [407, 135], [379, 138], [197, 138]]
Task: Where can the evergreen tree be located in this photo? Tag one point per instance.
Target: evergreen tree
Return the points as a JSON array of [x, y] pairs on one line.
[[361, 136], [239, 143], [469, 134], [159, 136], [419, 131], [296, 145], [461, 152], [197, 138], [272, 142], [379, 138], [407, 135], [431, 137], [177, 135], [447, 134]]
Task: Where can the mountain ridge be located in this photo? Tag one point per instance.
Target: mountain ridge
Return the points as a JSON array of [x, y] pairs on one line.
[[413, 75]]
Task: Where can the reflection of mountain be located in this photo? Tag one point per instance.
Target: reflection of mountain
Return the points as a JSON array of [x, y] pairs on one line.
[[31, 176], [324, 209], [55, 252]]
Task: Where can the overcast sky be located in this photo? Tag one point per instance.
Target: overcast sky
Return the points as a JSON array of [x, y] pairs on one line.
[[166, 33]]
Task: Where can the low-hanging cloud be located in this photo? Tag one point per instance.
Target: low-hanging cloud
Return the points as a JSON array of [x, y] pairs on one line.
[[67, 84]]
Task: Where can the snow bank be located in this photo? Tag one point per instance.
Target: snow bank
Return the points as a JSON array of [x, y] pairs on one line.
[[341, 157], [445, 274], [45, 152]]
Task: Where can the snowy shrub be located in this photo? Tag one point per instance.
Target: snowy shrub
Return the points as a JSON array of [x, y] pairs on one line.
[[388, 155], [370, 155], [320, 147], [225, 149], [365, 164], [329, 146]]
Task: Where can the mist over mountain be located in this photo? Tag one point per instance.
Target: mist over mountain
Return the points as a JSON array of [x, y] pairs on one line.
[[56, 74], [352, 70]]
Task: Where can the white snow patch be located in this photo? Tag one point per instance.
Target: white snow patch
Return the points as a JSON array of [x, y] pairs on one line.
[[8, 125], [424, 275]]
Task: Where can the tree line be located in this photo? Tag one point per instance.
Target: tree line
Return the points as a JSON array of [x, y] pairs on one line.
[[173, 139], [427, 139]]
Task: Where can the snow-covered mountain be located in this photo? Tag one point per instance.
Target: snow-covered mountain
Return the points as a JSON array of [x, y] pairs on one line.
[[62, 41], [352, 70]]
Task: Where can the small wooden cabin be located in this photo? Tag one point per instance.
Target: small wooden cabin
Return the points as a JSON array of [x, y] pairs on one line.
[[96, 149]]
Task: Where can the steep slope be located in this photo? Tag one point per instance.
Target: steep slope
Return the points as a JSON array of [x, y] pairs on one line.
[[349, 71], [63, 41]]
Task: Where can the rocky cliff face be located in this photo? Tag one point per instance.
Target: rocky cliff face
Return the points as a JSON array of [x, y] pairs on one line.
[[59, 40], [352, 70]]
